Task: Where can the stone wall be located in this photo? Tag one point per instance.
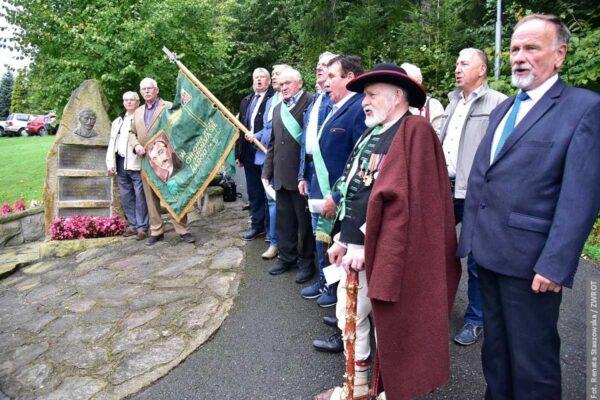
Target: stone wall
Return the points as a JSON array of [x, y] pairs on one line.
[[21, 227]]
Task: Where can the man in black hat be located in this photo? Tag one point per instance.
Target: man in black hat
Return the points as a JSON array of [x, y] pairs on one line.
[[409, 240]]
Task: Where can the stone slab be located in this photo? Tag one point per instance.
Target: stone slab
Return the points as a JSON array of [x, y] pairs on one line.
[[106, 322], [76, 388], [63, 248]]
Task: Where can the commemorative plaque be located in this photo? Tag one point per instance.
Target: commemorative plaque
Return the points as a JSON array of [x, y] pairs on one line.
[[77, 182]]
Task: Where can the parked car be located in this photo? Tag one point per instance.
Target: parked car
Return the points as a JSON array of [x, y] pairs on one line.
[[16, 124], [42, 125]]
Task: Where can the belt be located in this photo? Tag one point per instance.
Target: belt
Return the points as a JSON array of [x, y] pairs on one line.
[[309, 158], [452, 184]]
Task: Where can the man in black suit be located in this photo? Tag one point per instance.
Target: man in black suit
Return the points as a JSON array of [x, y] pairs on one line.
[[294, 231], [532, 198], [252, 109]]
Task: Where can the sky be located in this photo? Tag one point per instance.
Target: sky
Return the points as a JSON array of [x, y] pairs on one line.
[[6, 56]]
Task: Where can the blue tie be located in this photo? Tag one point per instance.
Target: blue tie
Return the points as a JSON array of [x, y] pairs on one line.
[[510, 122], [251, 110]]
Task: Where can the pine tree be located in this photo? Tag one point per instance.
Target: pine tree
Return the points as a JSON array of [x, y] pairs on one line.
[[6, 88], [19, 102]]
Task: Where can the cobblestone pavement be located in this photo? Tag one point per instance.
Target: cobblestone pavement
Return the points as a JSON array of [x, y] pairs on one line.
[[108, 321]]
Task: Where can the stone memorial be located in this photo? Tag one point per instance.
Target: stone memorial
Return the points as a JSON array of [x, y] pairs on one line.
[[76, 178]]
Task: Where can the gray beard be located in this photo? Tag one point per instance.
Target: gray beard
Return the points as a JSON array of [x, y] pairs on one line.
[[522, 82]]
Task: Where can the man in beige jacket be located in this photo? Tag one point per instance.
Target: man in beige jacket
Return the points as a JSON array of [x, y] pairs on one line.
[[144, 117]]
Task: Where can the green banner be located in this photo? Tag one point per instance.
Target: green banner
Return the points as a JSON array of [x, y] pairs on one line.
[[187, 146]]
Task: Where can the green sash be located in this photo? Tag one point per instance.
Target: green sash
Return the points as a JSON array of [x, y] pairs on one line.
[[290, 123], [324, 225]]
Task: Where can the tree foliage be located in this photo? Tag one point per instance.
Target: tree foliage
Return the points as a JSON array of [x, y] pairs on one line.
[[222, 41], [6, 87], [19, 100]]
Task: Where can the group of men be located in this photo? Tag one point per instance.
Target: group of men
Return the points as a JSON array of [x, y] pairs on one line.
[[128, 136], [371, 175], [369, 186]]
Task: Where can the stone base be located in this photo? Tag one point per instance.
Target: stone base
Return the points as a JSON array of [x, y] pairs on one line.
[[22, 227], [17, 257], [211, 201], [63, 248]]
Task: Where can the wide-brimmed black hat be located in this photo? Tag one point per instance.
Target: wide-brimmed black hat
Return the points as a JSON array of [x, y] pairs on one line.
[[392, 74]]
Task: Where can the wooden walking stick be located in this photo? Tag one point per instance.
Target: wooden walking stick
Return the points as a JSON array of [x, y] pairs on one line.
[[350, 331]]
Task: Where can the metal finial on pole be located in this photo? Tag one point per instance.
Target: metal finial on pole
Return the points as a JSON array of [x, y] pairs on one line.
[[172, 56]]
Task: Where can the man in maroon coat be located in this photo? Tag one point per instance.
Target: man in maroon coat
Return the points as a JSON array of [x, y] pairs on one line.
[[395, 189]]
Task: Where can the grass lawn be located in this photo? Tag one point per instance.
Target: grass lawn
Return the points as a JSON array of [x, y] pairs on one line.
[[23, 168]]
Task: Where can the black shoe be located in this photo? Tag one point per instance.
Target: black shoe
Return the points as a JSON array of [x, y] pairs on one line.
[[279, 268], [330, 320], [253, 233], [187, 237], [153, 239], [305, 274], [332, 344]]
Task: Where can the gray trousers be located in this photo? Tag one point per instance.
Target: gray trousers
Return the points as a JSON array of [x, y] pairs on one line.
[[133, 200]]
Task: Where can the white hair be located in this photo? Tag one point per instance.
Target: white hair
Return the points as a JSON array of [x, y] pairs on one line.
[[263, 71], [150, 81], [293, 73], [132, 94], [413, 71]]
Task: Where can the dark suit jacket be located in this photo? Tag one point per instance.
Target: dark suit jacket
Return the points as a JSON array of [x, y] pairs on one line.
[[531, 210], [243, 149], [339, 135], [281, 163]]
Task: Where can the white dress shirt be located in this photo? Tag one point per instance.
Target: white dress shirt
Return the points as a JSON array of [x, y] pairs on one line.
[[454, 131], [526, 105], [261, 96], [311, 129]]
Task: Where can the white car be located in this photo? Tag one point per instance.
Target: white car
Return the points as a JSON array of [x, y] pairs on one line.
[[17, 124]]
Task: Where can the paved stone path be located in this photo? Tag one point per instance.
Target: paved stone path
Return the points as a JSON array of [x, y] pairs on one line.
[[108, 321]]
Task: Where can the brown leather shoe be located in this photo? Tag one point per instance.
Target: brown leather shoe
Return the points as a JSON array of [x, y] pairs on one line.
[[141, 235], [129, 232]]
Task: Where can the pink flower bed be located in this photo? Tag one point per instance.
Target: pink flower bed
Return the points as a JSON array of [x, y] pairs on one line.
[[7, 208], [85, 227]]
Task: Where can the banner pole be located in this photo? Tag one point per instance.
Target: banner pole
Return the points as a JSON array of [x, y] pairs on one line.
[[212, 98]]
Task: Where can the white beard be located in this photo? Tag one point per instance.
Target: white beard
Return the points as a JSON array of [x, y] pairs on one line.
[[520, 82], [375, 120]]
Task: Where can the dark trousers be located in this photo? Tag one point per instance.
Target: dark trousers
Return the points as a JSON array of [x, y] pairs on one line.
[[294, 231], [521, 347], [256, 191], [133, 200], [473, 313]]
